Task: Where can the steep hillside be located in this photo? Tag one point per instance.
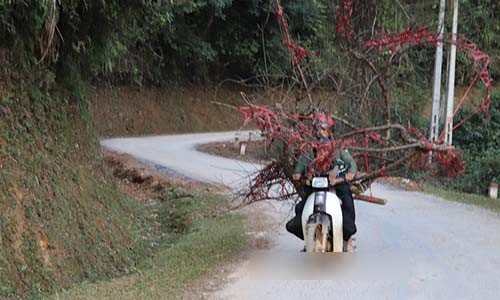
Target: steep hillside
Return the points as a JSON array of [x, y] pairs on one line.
[[125, 111], [62, 219]]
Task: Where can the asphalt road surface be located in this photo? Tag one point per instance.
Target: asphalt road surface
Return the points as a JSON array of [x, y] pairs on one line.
[[417, 246]]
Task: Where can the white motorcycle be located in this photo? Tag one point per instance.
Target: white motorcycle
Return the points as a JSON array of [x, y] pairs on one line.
[[322, 218]]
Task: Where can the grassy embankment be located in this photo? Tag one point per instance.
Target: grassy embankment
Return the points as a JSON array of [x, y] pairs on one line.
[[202, 243], [62, 218], [473, 199]]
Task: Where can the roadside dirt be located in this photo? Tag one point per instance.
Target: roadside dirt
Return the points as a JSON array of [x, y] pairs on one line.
[[403, 183], [254, 151], [129, 111], [144, 183]]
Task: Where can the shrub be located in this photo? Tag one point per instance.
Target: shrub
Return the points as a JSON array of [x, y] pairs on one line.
[[482, 168]]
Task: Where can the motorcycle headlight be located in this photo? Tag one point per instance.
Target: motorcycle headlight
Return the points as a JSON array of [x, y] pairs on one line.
[[319, 182]]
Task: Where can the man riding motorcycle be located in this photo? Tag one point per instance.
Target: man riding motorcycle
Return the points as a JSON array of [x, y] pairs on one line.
[[342, 159]]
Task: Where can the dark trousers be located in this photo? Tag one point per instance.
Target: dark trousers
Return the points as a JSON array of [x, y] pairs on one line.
[[294, 226]]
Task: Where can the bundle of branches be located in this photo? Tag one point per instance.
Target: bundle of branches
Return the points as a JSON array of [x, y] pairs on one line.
[[379, 150], [375, 154]]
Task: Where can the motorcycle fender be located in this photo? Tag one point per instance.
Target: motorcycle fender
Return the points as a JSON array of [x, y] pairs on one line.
[[333, 209]]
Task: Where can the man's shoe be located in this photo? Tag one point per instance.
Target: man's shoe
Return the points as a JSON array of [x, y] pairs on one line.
[[350, 246]]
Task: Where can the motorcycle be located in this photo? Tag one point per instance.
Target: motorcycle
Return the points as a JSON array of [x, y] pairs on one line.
[[322, 217]]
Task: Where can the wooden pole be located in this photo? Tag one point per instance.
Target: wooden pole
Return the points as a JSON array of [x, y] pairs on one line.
[[370, 199]]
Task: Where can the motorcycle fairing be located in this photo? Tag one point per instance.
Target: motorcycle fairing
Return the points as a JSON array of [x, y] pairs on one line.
[[332, 207]]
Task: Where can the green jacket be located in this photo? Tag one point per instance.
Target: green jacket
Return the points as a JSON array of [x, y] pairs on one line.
[[342, 157]]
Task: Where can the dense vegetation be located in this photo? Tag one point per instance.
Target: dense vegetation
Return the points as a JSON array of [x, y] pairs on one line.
[[74, 43], [480, 140], [164, 41]]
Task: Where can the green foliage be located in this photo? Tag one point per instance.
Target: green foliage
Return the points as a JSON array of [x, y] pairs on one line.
[[479, 22], [208, 40], [482, 168], [479, 139], [156, 41], [479, 134]]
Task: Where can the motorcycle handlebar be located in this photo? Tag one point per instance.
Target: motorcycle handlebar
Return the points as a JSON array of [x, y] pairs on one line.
[[337, 181]]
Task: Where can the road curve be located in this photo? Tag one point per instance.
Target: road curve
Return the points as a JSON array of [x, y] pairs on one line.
[[178, 154], [418, 246]]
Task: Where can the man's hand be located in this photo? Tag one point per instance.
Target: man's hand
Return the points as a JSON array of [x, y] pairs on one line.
[[296, 177], [349, 176], [332, 176]]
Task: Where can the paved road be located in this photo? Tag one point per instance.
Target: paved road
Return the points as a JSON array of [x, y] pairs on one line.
[[178, 154], [416, 247]]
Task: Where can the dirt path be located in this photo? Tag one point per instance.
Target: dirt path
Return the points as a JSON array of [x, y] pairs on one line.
[[416, 247]]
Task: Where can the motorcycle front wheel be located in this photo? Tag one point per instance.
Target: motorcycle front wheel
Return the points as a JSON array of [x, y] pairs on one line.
[[317, 239]]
